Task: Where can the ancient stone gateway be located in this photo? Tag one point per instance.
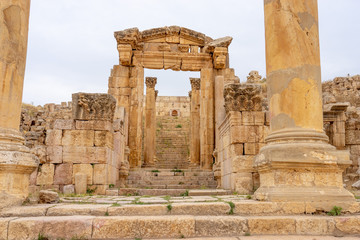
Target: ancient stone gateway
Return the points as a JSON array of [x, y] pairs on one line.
[[179, 49]]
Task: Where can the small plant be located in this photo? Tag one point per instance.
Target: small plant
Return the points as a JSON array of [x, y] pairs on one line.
[[182, 236], [77, 238], [137, 238], [357, 197], [155, 170], [203, 187], [169, 207], [181, 183], [115, 205], [178, 126], [42, 237], [185, 194], [137, 201], [91, 191], [106, 213], [247, 234], [235, 193], [111, 185], [248, 197], [232, 207], [335, 211], [167, 198], [177, 170]]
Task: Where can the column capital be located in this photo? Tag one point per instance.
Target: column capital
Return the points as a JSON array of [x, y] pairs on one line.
[[242, 97], [195, 83], [150, 82]]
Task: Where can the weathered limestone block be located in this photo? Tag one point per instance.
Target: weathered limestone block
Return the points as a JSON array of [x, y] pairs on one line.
[[253, 118], [243, 182], [74, 154], [125, 54], [53, 137], [63, 174], [220, 57], [100, 174], [69, 189], [78, 138], [268, 226], [254, 77], [104, 139], [86, 169], [80, 182], [62, 124], [242, 163], [45, 174], [46, 196], [93, 125], [54, 154], [93, 106]]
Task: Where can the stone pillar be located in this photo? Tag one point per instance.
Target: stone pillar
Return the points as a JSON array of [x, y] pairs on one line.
[[297, 164], [206, 118], [150, 122], [16, 163], [195, 122]]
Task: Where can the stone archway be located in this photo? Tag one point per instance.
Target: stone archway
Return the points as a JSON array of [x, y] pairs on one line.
[[175, 48]]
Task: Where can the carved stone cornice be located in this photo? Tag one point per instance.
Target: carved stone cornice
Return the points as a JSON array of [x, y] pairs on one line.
[[242, 97], [195, 83], [150, 82], [93, 106]]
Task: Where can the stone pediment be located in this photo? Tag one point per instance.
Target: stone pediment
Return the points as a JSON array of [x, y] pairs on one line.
[[171, 34]]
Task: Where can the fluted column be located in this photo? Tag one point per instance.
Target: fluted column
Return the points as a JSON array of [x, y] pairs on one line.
[[16, 163], [150, 121], [297, 164], [195, 122]]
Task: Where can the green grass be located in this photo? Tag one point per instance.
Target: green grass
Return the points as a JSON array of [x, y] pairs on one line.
[[167, 198], [232, 207], [115, 205], [176, 170], [248, 197], [169, 207], [155, 170], [185, 194], [106, 213], [178, 126], [111, 185], [42, 237]]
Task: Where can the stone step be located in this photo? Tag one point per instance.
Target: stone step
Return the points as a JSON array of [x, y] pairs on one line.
[[174, 226]]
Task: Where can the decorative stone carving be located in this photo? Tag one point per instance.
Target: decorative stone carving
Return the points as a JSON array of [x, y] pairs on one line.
[[219, 57], [242, 97], [220, 42], [93, 106], [195, 83], [125, 54], [150, 82], [254, 77]]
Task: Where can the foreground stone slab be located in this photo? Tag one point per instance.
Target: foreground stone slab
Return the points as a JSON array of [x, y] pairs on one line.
[[71, 210], [51, 227], [220, 225], [136, 210], [144, 226], [26, 211]]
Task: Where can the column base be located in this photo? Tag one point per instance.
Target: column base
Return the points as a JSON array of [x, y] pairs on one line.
[[308, 171], [16, 165]]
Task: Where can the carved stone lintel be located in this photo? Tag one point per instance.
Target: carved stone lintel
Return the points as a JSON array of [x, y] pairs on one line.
[[150, 82], [195, 83], [242, 97], [254, 77], [93, 106]]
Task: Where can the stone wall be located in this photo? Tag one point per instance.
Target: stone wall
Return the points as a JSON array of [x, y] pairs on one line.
[[165, 106], [84, 138]]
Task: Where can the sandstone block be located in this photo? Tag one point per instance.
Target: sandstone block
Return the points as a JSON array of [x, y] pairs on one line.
[[62, 124], [48, 197], [63, 174], [200, 209], [237, 149], [93, 125], [120, 91], [45, 174], [117, 82], [250, 148], [80, 180], [104, 139], [86, 169], [79, 154], [348, 225], [313, 226], [138, 210], [26, 211], [243, 183], [145, 227], [100, 189], [33, 176], [253, 118], [4, 222], [78, 138], [220, 226], [271, 225], [100, 174], [53, 137], [52, 227], [54, 154], [69, 189], [77, 209], [352, 137], [243, 134], [242, 163]]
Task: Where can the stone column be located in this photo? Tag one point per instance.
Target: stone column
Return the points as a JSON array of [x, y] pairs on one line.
[[16, 163], [150, 119], [297, 164], [207, 118], [195, 122]]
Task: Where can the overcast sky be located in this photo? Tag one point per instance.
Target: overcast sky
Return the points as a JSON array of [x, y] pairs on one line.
[[71, 46]]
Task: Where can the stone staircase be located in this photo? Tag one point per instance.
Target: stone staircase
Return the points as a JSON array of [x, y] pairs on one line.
[[171, 179], [132, 217], [172, 142]]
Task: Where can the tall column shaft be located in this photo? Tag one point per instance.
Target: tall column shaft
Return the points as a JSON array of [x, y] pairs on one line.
[[16, 163], [297, 164], [150, 120], [195, 122], [207, 118]]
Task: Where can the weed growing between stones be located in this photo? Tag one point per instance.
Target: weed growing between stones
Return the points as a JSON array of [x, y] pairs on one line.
[[232, 207], [185, 194], [169, 207], [42, 237], [335, 211]]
